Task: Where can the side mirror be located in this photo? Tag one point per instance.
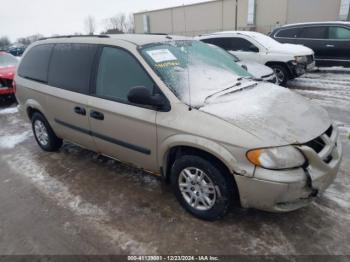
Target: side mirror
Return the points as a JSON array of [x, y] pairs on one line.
[[254, 49], [143, 96]]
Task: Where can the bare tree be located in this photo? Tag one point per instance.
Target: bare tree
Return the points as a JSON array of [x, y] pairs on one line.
[[29, 39], [90, 24], [4, 42], [119, 24], [130, 24]]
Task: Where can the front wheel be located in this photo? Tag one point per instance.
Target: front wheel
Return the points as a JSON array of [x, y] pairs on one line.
[[201, 187], [281, 74]]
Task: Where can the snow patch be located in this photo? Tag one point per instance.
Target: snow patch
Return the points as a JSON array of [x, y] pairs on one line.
[[10, 110], [23, 164], [10, 141], [342, 199]]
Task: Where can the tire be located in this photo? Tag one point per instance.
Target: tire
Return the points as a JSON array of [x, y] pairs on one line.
[[219, 189], [44, 135], [281, 73]]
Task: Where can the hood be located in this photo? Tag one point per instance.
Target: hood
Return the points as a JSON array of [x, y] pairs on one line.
[[256, 69], [272, 113], [7, 72], [295, 50]]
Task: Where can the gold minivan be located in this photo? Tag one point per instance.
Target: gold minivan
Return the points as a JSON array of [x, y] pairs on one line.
[[183, 110]]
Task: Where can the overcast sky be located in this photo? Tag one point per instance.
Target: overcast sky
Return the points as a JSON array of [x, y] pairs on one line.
[[20, 18]]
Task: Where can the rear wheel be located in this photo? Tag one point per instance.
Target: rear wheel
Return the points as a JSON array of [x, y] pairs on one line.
[[201, 187], [281, 73], [44, 134]]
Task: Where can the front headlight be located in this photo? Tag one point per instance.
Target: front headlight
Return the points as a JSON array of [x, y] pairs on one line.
[[300, 59], [284, 157]]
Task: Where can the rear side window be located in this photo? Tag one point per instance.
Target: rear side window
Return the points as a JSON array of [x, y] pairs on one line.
[[220, 42], [71, 66], [118, 72], [35, 63], [288, 33], [339, 33], [231, 43], [240, 44], [314, 32]]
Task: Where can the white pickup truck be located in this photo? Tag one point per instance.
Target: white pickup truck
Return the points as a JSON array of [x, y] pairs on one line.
[[287, 60]]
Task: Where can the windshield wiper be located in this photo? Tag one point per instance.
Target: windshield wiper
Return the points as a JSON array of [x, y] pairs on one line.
[[237, 84], [236, 90]]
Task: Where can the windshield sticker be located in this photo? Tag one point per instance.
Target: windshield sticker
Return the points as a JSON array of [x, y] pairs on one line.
[[168, 64], [161, 55]]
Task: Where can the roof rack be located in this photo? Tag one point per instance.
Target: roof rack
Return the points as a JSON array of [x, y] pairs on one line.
[[157, 34], [72, 36]]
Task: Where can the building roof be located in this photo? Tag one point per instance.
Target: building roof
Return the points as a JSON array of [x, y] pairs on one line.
[[172, 7]]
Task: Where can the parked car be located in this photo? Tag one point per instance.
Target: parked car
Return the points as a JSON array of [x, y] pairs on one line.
[[288, 61], [329, 40], [258, 71], [179, 108], [16, 49], [7, 72]]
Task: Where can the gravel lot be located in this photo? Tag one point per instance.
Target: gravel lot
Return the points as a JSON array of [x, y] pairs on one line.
[[75, 202]]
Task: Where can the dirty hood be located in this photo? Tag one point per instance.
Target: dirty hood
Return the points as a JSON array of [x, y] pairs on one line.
[[276, 115]]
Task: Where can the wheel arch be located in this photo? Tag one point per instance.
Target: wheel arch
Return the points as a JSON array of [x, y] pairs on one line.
[[185, 144], [33, 106]]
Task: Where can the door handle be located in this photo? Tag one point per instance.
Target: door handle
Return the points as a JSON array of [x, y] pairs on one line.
[[97, 115], [329, 45], [80, 110]]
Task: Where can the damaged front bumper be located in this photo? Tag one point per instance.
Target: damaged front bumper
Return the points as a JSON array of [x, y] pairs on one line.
[[287, 190]]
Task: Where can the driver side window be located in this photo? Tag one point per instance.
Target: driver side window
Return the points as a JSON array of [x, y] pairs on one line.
[[118, 72]]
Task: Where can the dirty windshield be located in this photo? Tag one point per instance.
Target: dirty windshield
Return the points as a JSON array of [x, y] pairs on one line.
[[193, 70]]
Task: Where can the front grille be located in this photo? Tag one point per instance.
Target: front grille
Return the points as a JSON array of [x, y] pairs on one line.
[[329, 131], [324, 145], [317, 144]]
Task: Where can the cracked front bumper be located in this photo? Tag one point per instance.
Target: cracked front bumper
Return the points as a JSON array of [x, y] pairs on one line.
[[288, 190]]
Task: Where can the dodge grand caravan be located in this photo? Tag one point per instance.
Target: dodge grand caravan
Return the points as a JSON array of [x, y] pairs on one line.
[[185, 111]]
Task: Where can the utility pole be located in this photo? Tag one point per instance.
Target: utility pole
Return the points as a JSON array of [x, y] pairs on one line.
[[236, 17]]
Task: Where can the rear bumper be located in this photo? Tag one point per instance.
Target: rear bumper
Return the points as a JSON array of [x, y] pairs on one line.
[[288, 190]]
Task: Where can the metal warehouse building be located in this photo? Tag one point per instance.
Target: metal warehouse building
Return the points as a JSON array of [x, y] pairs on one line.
[[219, 15]]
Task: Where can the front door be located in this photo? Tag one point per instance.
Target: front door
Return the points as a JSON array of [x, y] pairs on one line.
[[120, 129]]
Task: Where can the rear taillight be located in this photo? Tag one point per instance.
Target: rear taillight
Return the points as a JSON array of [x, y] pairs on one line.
[[14, 86]]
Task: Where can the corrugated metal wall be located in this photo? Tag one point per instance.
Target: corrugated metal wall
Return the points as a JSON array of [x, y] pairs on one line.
[[220, 15]]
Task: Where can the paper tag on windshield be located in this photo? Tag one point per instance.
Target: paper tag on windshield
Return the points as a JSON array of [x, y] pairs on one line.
[[161, 55]]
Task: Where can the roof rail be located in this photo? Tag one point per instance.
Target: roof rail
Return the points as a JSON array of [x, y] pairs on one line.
[[157, 34], [72, 36]]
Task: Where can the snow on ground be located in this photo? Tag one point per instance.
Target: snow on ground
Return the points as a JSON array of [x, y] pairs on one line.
[[23, 164], [10, 141], [329, 87], [10, 110]]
